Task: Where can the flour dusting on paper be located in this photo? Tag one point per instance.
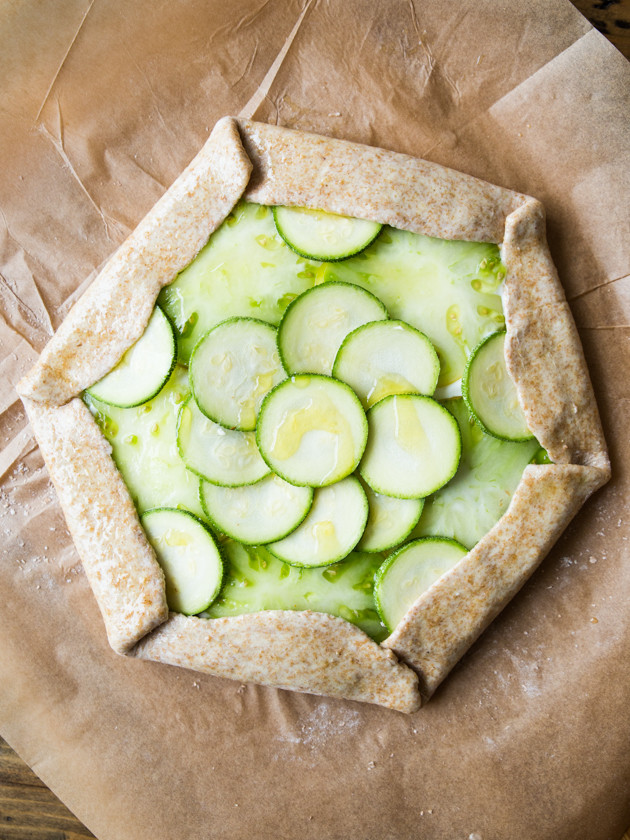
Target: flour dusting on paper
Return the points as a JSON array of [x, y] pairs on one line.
[[328, 721]]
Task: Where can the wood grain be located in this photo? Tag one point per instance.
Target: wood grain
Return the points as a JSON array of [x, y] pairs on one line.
[[28, 810], [611, 18]]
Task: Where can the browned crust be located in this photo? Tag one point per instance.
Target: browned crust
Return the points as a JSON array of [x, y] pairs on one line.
[[294, 168], [114, 311], [302, 651], [447, 618], [307, 170], [119, 562]]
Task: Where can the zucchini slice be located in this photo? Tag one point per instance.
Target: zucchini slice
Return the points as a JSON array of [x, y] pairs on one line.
[[221, 456], [414, 446], [189, 557], [387, 357], [318, 235], [490, 392], [316, 323], [312, 430], [449, 290], [390, 521], [257, 513], [332, 528], [479, 494], [143, 441], [144, 369], [409, 572], [231, 369], [245, 269]]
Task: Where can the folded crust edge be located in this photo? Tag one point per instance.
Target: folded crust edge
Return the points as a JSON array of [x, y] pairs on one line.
[[310, 170], [543, 350], [449, 617], [114, 311], [309, 652], [119, 563]]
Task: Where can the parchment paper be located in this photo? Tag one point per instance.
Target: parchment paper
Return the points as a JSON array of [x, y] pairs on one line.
[[102, 104]]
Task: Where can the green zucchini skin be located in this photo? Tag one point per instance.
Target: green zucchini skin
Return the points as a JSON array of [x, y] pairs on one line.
[[310, 399], [207, 462], [490, 411], [139, 365], [241, 349], [410, 571], [382, 358], [316, 323], [189, 556], [247, 514], [414, 446], [307, 241], [331, 529], [400, 518], [476, 497]]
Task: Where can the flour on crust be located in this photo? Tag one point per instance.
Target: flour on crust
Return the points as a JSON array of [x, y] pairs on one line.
[[302, 651]]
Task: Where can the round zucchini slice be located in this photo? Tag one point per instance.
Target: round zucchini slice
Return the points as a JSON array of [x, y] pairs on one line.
[[144, 369], [312, 430], [189, 557], [414, 446], [387, 357], [315, 324], [490, 392], [332, 527], [409, 572], [318, 235], [390, 521], [232, 367], [257, 513], [221, 456]]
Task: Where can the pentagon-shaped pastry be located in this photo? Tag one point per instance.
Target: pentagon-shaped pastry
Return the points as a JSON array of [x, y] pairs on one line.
[[456, 260]]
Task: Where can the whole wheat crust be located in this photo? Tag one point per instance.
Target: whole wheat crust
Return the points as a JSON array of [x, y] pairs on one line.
[[307, 651]]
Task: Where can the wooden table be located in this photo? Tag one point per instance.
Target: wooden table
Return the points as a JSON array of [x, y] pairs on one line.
[[28, 809]]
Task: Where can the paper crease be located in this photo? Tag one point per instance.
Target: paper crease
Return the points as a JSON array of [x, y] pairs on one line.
[[63, 60], [249, 110], [58, 145], [590, 290], [508, 94]]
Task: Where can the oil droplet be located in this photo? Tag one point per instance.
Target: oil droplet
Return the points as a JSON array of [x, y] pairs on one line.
[[388, 384], [325, 537], [173, 537], [318, 414], [408, 430]]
